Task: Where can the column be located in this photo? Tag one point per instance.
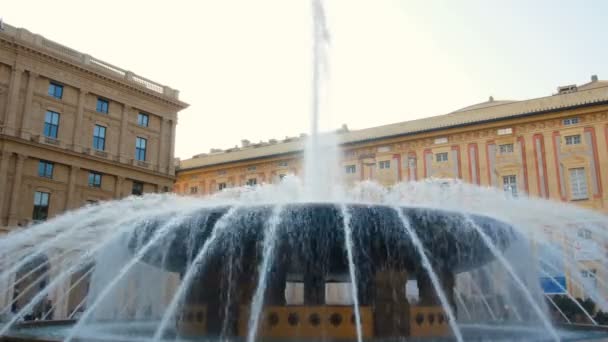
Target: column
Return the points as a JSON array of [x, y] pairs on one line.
[[14, 207], [4, 159], [73, 178], [122, 140], [27, 111], [77, 137], [162, 142], [171, 166], [13, 102], [118, 187]]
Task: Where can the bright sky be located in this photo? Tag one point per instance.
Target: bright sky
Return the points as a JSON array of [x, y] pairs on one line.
[[244, 65]]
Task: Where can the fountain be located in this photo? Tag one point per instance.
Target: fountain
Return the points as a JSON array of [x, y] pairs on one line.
[[302, 260]]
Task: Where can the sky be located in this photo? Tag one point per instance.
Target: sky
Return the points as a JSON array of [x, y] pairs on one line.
[[244, 66]]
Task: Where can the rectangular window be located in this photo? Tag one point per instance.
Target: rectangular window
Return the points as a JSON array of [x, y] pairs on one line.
[[137, 189], [142, 119], [510, 184], [350, 169], [221, 186], [56, 90], [584, 233], [441, 157], [140, 148], [283, 163], [578, 183], [45, 169], [102, 105], [505, 148], [384, 164], [51, 124], [41, 206], [281, 176], [251, 168], [442, 140], [194, 189], [252, 181], [95, 179], [573, 139], [99, 138], [504, 131], [570, 121]]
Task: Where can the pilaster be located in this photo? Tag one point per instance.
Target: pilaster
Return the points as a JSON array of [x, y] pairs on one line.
[[10, 121], [27, 110], [16, 191], [78, 141]]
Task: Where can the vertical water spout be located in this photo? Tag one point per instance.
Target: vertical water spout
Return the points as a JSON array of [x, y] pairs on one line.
[[426, 263], [348, 241], [269, 244]]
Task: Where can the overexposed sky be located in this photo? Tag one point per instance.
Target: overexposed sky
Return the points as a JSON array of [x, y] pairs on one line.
[[244, 65]]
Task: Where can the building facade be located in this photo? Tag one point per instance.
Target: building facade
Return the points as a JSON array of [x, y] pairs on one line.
[[554, 147], [77, 130]]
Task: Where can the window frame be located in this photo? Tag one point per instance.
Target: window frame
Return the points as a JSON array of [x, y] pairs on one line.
[[350, 169], [102, 101], [51, 128], [574, 139], [141, 116], [137, 188], [97, 138], [571, 121], [439, 157], [384, 164], [41, 209], [95, 179], [508, 148], [221, 186], [54, 86], [513, 186], [194, 190], [252, 182], [578, 176], [141, 152], [45, 169]]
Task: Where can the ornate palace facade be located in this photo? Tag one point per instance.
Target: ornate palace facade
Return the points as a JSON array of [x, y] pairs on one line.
[[554, 147], [76, 130]]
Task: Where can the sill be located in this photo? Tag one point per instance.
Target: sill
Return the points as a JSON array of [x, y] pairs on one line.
[[95, 186], [579, 199]]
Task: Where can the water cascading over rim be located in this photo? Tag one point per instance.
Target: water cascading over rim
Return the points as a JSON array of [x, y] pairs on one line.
[[310, 248]]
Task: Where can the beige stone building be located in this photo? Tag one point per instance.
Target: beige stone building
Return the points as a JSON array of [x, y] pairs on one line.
[[75, 129], [553, 147]]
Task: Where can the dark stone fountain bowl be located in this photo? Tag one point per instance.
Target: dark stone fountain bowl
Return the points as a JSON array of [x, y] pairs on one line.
[[312, 234]]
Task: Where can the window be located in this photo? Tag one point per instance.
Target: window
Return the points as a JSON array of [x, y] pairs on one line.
[[45, 169], [140, 148], [510, 184], [194, 189], [99, 138], [142, 119], [573, 139], [56, 90], [51, 124], [252, 181], [95, 179], [589, 278], [251, 168], [281, 177], [221, 172], [505, 148], [442, 140], [137, 189], [578, 183], [283, 163], [384, 164], [221, 186], [504, 131], [441, 157], [41, 206], [102, 105], [584, 233], [570, 121], [92, 202]]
